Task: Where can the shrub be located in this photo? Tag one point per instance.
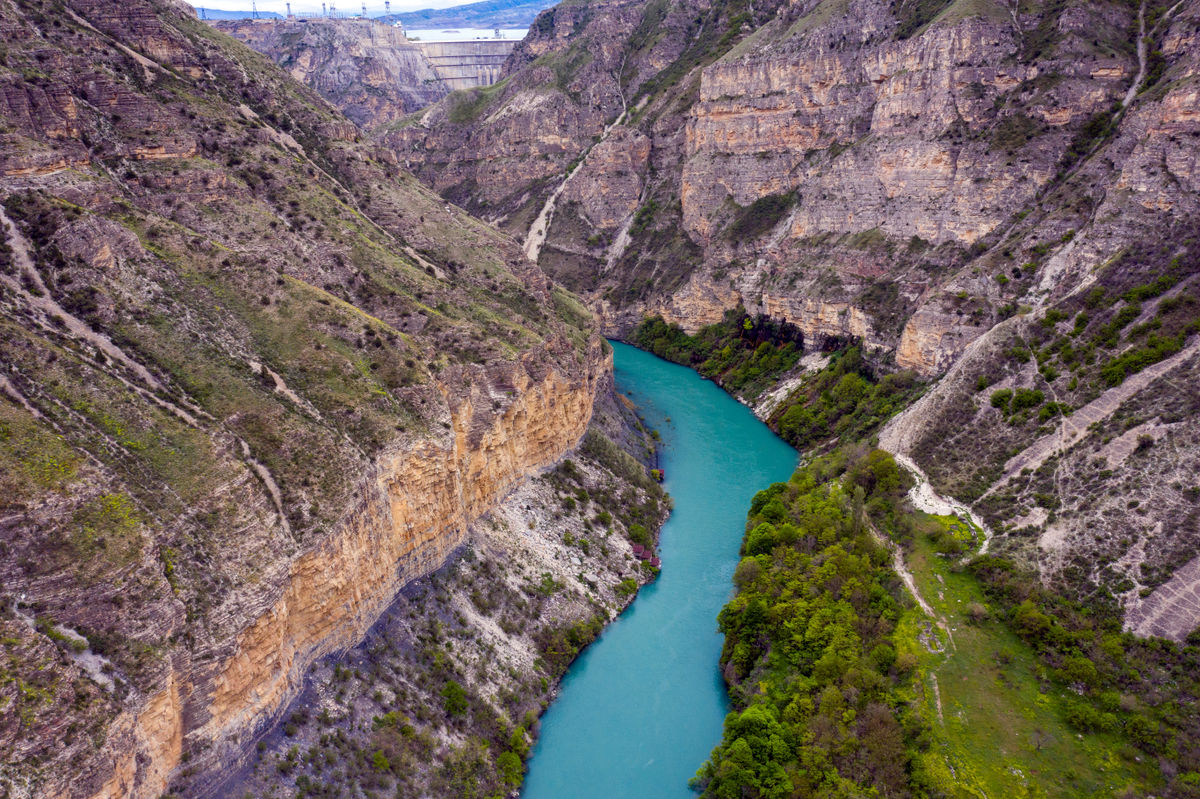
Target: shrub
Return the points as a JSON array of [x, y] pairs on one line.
[[512, 770], [454, 698], [760, 216], [1027, 398]]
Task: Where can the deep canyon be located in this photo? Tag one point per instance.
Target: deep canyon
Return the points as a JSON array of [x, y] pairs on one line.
[[313, 474]]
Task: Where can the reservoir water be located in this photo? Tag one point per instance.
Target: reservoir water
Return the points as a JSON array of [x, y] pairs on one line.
[[641, 709]]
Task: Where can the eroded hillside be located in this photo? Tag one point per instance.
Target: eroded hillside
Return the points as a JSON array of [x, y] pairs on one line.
[[255, 379]]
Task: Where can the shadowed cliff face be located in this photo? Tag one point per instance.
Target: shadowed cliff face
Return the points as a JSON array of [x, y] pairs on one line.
[[368, 70], [839, 165], [254, 379]]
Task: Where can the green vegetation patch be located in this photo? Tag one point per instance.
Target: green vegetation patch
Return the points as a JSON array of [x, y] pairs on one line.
[[818, 690], [760, 216], [845, 400], [105, 532], [841, 687], [745, 355], [469, 105], [31, 458], [912, 15], [999, 721]]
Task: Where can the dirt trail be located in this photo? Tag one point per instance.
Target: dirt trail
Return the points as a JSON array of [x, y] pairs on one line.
[[910, 583], [1172, 609], [1141, 54], [42, 300], [925, 498], [540, 228], [1075, 427], [47, 305]]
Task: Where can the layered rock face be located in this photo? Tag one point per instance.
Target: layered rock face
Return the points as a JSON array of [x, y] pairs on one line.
[[937, 181], [808, 161], [255, 379], [415, 508], [492, 621], [367, 69]]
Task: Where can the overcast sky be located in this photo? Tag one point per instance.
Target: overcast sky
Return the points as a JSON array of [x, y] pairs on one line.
[[348, 6]]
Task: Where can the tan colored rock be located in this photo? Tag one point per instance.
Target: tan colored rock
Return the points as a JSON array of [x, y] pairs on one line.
[[932, 340]]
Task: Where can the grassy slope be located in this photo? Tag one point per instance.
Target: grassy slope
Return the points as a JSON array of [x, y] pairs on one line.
[[1001, 730]]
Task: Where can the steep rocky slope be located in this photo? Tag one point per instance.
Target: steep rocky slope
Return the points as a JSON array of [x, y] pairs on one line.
[[447, 687], [367, 69], [254, 380], [833, 164], [927, 178]]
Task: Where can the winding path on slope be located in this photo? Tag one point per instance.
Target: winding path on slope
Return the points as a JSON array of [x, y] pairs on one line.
[[540, 228]]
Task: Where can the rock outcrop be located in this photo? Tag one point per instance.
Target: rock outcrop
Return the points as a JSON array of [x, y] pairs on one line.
[[366, 68]]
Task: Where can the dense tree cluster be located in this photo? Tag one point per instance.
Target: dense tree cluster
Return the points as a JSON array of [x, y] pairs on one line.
[[845, 400], [743, 354], [809, 655]]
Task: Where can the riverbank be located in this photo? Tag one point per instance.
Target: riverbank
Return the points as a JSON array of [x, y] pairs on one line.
[[639, 711], [443, 696]]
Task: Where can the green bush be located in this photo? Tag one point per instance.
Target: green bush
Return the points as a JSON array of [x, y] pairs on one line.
[[1132, 361], [760, 216], [454, 699], [1025, 398]]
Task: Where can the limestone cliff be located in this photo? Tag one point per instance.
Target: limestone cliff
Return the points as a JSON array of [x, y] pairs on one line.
[[533, 582], [841, 165], [946, 183], [255, 379], [367, 69]]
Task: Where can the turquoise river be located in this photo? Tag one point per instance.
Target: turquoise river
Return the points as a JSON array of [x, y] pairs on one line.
[[641, 708]]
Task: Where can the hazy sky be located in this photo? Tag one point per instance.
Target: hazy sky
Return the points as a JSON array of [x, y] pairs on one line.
[[348, 6]]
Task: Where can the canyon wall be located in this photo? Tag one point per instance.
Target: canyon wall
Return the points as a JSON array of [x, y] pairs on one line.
[[255, 380], [841, 165], [943, 183], [414, 509], [367, 69]]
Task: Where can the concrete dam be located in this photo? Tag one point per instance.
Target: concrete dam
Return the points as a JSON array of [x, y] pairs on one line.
[[464, 65]]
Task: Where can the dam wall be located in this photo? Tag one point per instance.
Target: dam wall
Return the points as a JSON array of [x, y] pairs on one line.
[[465, 65]]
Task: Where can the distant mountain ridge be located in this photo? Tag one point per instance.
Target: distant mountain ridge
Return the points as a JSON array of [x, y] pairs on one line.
[[217, 13], [486, 14]]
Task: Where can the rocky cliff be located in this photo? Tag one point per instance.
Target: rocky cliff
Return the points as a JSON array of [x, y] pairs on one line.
[[1001, 193], [535, 580], [255, 379], [841, 165], [367, 69]]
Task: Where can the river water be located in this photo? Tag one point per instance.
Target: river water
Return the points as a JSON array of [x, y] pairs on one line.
[[642, 708]]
